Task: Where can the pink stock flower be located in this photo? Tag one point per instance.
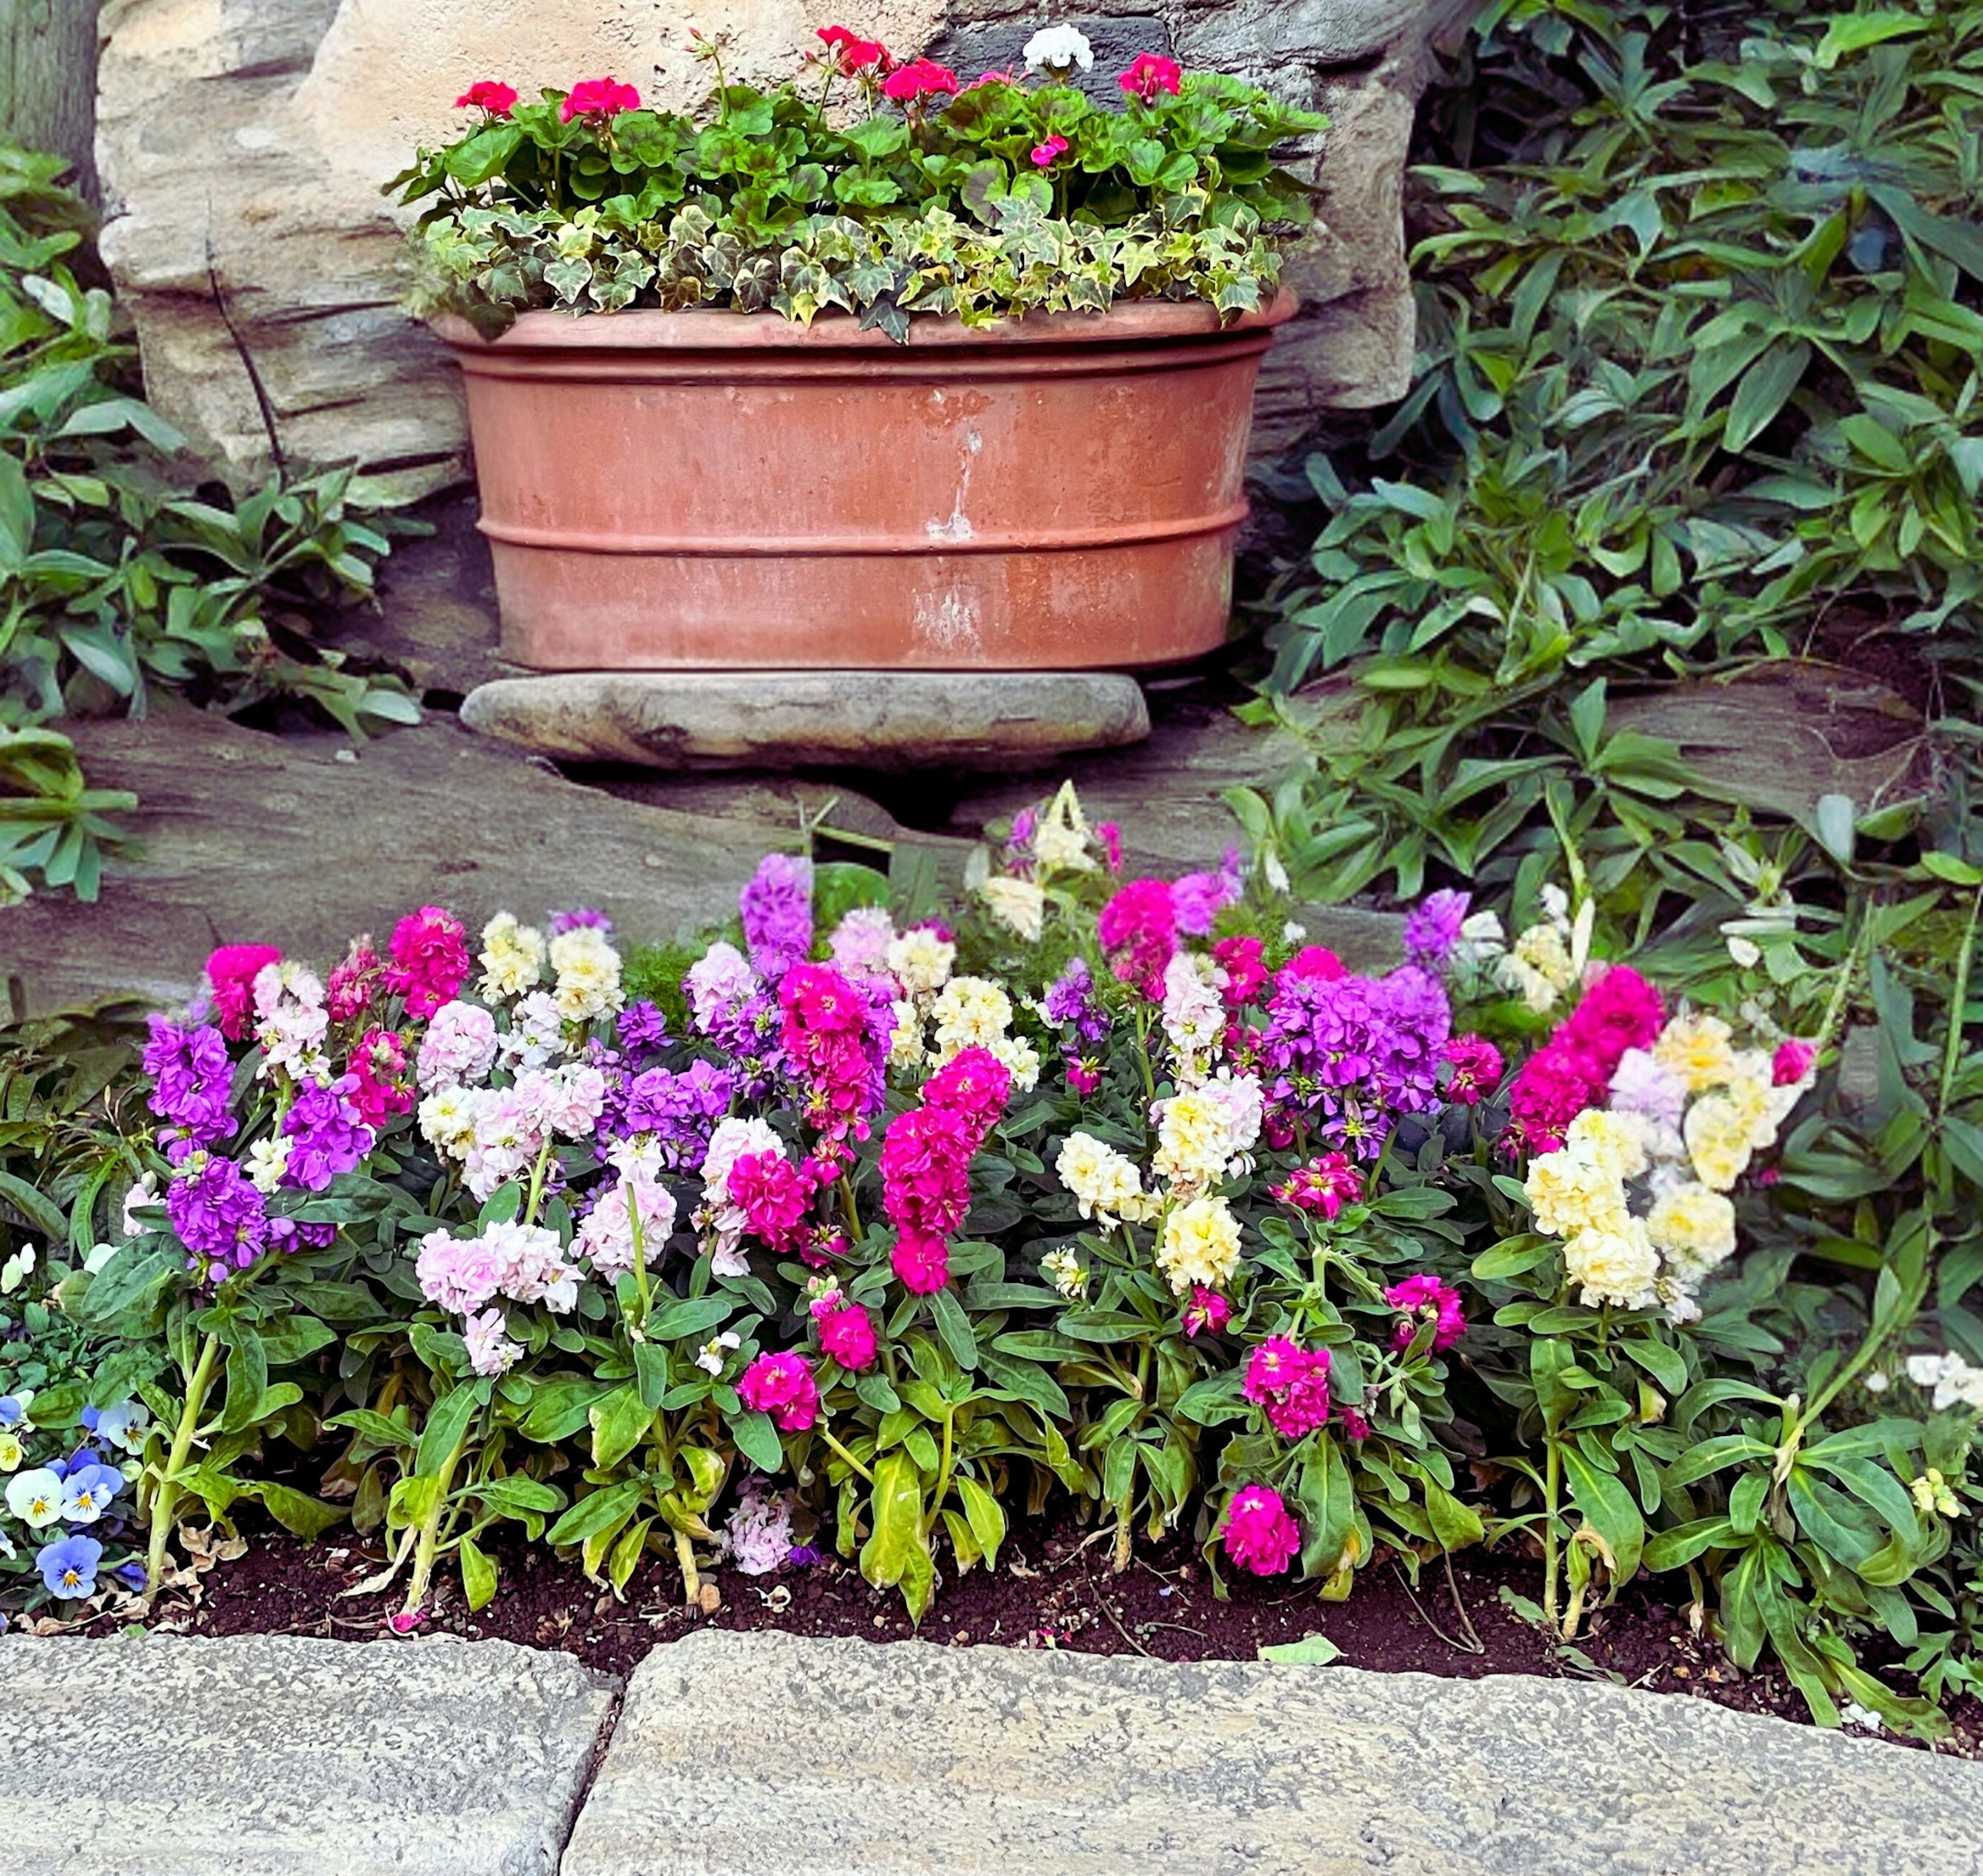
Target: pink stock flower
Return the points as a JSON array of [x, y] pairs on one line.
[[1354, 1425], [430, 954], [1291, 1383], [1151, 73], [846, 1335], [1245, 975], [1322, 1187], [782, 1386], [1620, 1011], [353, 983], [1315, 962], [774, 1196], [1474, 1068], [1137, 929], [385, 1087], [598, 99], [1789, 1065], [1207, 1310], [1553, 1088], [920, 78], [232, 971], [922, 1263], [825, 1035], [490, 94], [1260, 1535], [1111, 837], [1044, 154], [1423, 1298]]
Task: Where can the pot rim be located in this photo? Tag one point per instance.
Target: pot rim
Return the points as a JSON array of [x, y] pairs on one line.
[[650, 329]]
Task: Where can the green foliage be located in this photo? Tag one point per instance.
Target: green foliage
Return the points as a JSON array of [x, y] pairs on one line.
[[117, 570], [1697, 382], [776, 204]]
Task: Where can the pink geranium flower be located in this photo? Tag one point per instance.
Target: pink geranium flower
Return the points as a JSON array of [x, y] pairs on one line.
[[1260, 1535], [1044, 154], [1151, 73], [490, 94], [921, 78], [850, 53], [598, 99]]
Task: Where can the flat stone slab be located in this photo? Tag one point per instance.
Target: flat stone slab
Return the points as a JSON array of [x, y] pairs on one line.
[[771, 1755], [281, 1755], [884, 721]]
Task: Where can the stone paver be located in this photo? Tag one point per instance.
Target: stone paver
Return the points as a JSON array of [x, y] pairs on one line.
[[280, 1755], [769, 1755], [882, 721]]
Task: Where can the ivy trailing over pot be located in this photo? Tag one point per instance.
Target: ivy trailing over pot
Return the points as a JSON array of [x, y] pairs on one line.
[[879, 187]]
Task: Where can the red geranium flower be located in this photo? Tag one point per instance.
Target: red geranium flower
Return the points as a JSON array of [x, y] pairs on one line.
[[600, 97], [490, 94], [920, 78], [852, 55], [1151, 74]]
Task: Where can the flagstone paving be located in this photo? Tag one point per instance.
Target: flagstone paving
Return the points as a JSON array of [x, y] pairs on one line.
[[278, 1755]]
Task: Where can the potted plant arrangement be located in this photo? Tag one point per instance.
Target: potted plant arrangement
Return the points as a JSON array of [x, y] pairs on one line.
[[999, 422]]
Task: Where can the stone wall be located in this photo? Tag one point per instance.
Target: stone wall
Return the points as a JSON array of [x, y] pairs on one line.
[[241, 144]]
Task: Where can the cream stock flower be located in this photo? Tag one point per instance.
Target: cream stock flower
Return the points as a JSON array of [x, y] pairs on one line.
[[969, 1013], [1200, 1244], [1020, 905], [1697, 1048], [1022, 1062], [1693, 1226], [1540, 968], [1570, 1191], [513, 957], [1717, 1132], [588, 974], [920, 961], [1615, 1262], [1615, 1141], [1105, 1182]]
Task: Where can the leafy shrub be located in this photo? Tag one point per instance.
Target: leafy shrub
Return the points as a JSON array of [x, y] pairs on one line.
[[117, 569], [1001, 198]]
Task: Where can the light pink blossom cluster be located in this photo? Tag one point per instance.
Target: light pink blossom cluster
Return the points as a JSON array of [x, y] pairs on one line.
[[524, 1262], [459, 1048]]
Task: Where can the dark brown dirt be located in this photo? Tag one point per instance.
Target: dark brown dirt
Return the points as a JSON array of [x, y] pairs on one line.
[[1051, 1590]]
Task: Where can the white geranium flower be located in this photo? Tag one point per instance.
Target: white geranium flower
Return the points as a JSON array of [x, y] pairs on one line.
[[1058, 49]]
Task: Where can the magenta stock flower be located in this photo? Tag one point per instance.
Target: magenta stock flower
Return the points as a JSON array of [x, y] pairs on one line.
[[1260, 1535], [430, 954], [231, 972], [782, 1386], [1138, 933], [1424, 1298], [1473, 1068], [1291, 1383], [846, 1335], [1245, 974], [353, 984], [1792, 1061], [922, 1261], [975, 1084], [599, 99], [1207, 1312], [1322, 1187], [775, 1197], [385, 1087]]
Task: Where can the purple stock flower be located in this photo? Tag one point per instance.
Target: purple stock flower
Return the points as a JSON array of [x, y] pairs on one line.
[[679, 1110], [327, 1137], [192, 1080], [580, 918], [1199, 898], [777, 906], [1070, 1000], [643, 1029], [1432, 928], [219, 1217], [300, 1234]]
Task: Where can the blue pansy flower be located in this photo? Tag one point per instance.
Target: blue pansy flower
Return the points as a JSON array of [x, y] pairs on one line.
[[14, 1410], [87, 1493], [69, 1567]]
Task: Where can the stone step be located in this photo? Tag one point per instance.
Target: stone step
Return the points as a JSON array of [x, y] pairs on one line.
[[282, 1755], [887, 721], [772, 1755]]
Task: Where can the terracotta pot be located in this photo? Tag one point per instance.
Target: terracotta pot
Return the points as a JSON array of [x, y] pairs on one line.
[[723, 491]]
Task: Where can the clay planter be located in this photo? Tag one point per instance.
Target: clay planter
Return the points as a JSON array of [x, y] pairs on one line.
[[722, 490]]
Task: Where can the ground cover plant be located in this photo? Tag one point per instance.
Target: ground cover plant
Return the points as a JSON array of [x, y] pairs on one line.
[[123, 563], [1090, 1196], [878, 185]]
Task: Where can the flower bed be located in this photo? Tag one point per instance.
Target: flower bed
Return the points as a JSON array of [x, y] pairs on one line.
[[865, 1230]]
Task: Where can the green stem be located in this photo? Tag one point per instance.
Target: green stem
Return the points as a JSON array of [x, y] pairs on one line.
[[424, 1556], [1552, 1491], [844, 1454], [537, 1184], [943, 1470], [167, 1497], [685, 1556], [1143, 1052], [848, 1207], [1952, 1056], [645, 1295]]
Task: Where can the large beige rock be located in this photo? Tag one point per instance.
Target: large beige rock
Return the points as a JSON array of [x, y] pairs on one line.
[[242, 144]]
